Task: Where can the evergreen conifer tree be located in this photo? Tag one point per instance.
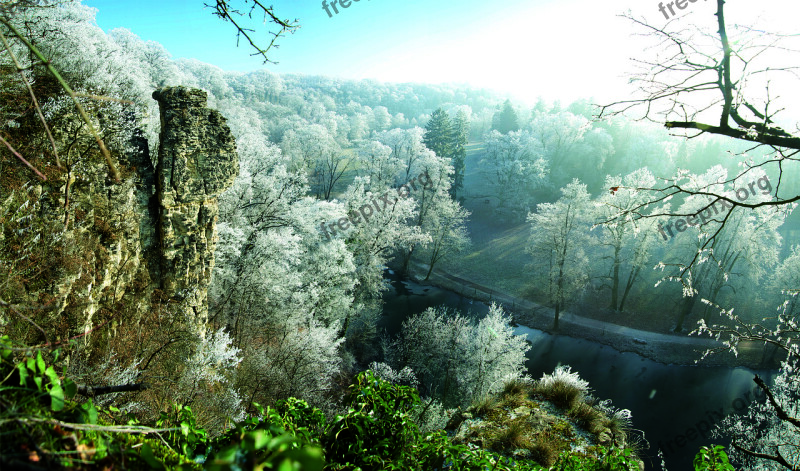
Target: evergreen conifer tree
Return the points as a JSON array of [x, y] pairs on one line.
[[505, 120], [460, 141], [438, 134]]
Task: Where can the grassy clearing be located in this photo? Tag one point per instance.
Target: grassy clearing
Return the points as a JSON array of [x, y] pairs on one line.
[[497, 257]]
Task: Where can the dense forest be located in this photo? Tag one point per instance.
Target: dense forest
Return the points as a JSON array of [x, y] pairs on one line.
[[196, 277]]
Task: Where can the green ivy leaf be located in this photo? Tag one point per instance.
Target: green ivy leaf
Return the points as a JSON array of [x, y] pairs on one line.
[[5, 344], [56, 392], [56, 398], [23, 373], [260, 439], [40, 361], [89, 413], [70, 388]]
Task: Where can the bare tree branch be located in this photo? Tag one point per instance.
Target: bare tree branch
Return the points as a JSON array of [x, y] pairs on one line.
[[223, 10], [33, 49]]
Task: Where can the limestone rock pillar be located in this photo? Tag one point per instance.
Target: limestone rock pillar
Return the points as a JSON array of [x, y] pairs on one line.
[[197, 161]]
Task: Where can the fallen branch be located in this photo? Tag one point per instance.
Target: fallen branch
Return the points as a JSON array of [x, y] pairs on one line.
[[92, 391]]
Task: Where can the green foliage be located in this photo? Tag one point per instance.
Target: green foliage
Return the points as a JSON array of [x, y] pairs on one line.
[[712, 458], [613, 459], [185, 435], [41, 422], [283, 437], [267, 447], [378, 430]]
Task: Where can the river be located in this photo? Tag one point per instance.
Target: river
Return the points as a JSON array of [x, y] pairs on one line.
[[675, 406]]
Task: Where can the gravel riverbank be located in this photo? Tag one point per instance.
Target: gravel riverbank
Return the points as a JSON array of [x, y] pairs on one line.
[[664, 348]]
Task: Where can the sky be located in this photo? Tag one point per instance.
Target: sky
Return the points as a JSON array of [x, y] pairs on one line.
[[563, 50]]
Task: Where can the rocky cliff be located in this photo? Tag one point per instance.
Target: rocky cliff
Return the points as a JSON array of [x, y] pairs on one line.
[[197, 161], [87, 254]]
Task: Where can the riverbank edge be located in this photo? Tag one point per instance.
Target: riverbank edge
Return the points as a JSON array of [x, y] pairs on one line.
[[656, 346]]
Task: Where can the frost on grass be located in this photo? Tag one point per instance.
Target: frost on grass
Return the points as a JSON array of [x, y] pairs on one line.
[[563, 375]]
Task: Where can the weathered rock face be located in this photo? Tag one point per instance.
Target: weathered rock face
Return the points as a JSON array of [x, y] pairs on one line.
[[197, 161]]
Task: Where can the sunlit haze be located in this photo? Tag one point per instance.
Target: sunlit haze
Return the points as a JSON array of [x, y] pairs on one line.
[[558, 50]]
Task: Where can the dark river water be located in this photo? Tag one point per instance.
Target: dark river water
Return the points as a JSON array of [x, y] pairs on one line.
[[675, 406]]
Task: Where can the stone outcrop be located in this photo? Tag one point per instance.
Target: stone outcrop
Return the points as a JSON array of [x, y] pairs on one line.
[[109, 256], [197, 161]]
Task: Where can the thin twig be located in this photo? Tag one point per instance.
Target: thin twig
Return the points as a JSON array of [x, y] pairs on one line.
[[22, 159], [33, 97], [72, 94]]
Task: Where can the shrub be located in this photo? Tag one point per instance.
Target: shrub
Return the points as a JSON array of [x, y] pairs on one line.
[[515, 392], [712, 458], [611, 459], [563, 388], [485, 406], [589, 418], [544, 449], [512, 437]]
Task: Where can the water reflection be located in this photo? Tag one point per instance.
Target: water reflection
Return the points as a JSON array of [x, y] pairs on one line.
[[676, 406]]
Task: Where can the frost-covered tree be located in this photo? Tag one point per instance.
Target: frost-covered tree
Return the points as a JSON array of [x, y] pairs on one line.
[[572, 148], [786, 281], [315, 149], [270, 264], [283, 290], [379, 163], [514, 167], [358, 127], [629, 242], [428, 188], [560, 233], [207, 376], [407, 147], [383, 226], [153, 58], [447, 227], [381, 119], [299, 360], [744, 244], [457, 359], [767, 435]]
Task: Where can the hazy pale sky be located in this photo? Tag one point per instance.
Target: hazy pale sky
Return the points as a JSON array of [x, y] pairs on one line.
[[563, 49]]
